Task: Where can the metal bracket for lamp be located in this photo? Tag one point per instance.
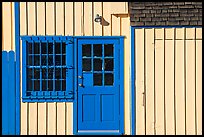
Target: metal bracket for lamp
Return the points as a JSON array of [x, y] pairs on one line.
[[98, 18]]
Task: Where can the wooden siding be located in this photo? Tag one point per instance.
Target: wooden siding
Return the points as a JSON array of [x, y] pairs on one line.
[[168, 81]]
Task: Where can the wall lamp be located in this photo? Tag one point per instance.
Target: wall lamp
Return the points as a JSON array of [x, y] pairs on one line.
[[98, 18]]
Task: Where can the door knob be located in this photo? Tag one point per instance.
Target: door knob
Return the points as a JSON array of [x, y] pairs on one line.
[[80, 77], [80, 85]]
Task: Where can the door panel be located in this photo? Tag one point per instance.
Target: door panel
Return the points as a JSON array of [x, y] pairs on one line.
[[98, 85]]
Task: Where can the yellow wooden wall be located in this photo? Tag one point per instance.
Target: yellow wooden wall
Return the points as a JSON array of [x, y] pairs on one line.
[[64, 18], [168, 81]]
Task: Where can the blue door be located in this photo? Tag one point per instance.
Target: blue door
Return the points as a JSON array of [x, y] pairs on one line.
[[99, 86]]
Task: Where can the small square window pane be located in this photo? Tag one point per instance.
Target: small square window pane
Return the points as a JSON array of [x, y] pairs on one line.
[[63, 85], [97, 64], [44, 73], [97, 50], [36, 48], [44, 60], [97, 79], [64, 73], [50, 85], [108, 79], [57, 85], [50, 73], [29, 85], [37, 85], [86, 50], [30, 48], [63, 60], [43, 48], [109, 64], [29, 73], [58, 60], [37, 60], [36, 73], [108, 48], [50, 48], [50, 60], [30, 60], [44, 85], [86, 64], [57, 48], [63, 48], [57, 73]]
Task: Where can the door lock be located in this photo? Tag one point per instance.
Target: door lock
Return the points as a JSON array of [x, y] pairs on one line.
[[80, 77], [80, 85]]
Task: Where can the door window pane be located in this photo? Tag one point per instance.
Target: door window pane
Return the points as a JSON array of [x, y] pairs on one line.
[[97, 79], [86, 50], [108, 79], [86, 64], [108, 64], [97, 64], [97, 50], [44, 48], [108, 50]]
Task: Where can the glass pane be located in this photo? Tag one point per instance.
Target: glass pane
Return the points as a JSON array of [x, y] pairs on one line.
[[63, 60], [97, 50], [43, 48], [29, 73], [50, 48], [29, 85], [30, 48], [44, 73], [57, 73], [108, 48], [50, 85], [64, 85], [37, 60], [50, 73], [86, 64], [64, 73], [97, 64], [57, 85], [30, 60], [97, 79], [44, 60], [50, 60], [44, 85], [108, 64], [86, 50], [57, 48], [36, 85], [108, 79], [36, 48], [36, 73], [63, 48], [58, 60]]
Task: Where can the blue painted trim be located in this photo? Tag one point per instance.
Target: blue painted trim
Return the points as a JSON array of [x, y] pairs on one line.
[[17, 51], [133, 81], [166, 27]]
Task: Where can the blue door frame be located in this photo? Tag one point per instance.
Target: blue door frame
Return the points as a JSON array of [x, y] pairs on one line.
[[121, 62]]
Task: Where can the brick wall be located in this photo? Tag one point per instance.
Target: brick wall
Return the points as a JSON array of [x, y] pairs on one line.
[[165, 13]]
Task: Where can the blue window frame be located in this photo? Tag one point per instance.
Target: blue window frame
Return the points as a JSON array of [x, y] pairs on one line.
[[46, 68]]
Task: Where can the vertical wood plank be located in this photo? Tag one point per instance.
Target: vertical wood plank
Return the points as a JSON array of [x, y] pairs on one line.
[[6, 25], [69, 27], [107, 18], [190, 87], [140, 108], [41, 31], [88, 21], [199, 86], [149, 92], [115, 26], [69, 122], [51, 107], [60, 105], [78, 18], [169, 82], [32, 106], [23, 31], [125, 24], [97, 25], [179, 83], [13, 34], [159, 83]]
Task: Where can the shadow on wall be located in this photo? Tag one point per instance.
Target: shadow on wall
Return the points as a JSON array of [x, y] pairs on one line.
[[104, 22]]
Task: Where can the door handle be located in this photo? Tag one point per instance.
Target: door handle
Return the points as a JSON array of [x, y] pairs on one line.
[[80, 77], [80, 85]]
